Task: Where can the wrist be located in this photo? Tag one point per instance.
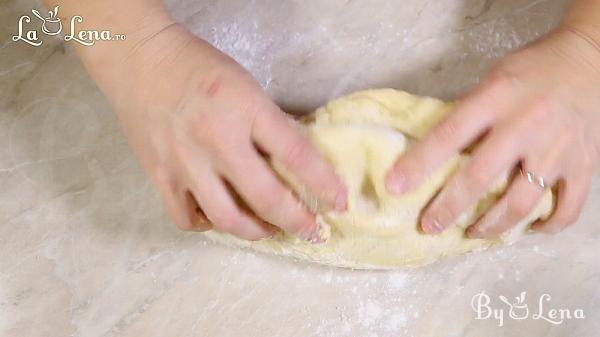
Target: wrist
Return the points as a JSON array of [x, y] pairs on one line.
[[156, 72], [586, 32], [583, 42], [583, 21], [108, 59]]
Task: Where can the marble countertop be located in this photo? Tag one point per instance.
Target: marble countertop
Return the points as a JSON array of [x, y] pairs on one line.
[[86, 248]]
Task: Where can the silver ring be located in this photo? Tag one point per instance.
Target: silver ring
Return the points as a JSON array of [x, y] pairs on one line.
[[534, 179]]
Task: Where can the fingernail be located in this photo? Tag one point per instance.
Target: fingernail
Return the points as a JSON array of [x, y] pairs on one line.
[[395, 184], [272, 233], [474, 232], [321, 233], [316, 236], [310, 236], [431, 226], [341, 203]]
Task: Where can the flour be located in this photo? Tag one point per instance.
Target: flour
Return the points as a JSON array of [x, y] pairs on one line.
[[397, 280], [395, 321], [369, 313], [372, 314], [316, 51], [242, 41]]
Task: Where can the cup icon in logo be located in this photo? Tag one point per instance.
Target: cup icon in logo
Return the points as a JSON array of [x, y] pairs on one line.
[[52, 20], [519, 309]]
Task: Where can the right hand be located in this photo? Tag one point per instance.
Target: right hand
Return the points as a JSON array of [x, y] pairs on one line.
[[202, 127]]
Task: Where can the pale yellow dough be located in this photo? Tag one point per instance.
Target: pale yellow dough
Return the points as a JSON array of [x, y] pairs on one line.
[[362, 135]]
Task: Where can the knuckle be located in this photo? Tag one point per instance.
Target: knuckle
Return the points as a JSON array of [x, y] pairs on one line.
[[216, 131], [230, 154], [253, 104], [270, 208], [476, 178], [298, 154], [447, 132], [208, 129], [540, 111], [226, 149]]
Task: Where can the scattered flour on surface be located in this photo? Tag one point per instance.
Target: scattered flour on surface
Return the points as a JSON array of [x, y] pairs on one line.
[[397, 280]]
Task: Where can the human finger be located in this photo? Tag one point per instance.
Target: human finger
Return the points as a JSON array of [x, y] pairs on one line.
[[181, 207], [216, 201], [495, 156], [521, 197], [257, 184], [469, 120], [279, 136], [571, 195]]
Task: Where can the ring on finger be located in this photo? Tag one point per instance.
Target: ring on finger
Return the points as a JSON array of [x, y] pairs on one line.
[[533, 178]]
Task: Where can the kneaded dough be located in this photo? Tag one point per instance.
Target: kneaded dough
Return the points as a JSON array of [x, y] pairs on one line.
[[362, 135]]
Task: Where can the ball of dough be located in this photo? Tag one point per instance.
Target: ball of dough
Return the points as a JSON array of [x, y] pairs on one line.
[[362, 135]]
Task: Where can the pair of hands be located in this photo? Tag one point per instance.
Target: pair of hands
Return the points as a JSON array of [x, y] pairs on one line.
[[202, 127]]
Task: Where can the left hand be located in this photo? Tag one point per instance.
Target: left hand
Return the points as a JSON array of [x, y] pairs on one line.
[[540, 108]]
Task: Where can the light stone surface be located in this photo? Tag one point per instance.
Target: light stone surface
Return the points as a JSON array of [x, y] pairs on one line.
[[87, 250]]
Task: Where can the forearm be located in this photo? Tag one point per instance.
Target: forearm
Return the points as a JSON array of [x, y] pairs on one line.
[[136, 66], [138, 20]]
